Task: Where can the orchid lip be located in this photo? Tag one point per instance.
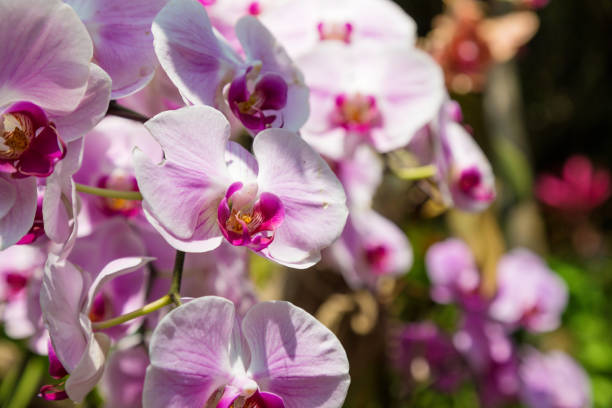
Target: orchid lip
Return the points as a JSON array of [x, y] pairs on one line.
[[29, 143], [249, 222], [335, 31], [356, 113], [257, 100]]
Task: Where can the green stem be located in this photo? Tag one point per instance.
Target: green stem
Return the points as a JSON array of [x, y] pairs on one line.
[[28, 383], [416, 173], [146, 309], [177, 276], [104, 192]]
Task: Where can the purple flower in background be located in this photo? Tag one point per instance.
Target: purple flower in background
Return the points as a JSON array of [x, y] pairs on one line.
[[529, 293], [68, 300], [265, 88], [277, 356], [123, 379], [284, 202], [368, 94], [553, 380], [453, 273], [50, 95], [122, 39], [426, 354], [369, 248], [21, 270]]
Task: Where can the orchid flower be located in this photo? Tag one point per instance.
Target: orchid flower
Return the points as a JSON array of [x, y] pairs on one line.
[[376, 94], [284, 202], [122, 39], [50, 95], [68, 300], [277, 356], [262, 90], [529, 293]]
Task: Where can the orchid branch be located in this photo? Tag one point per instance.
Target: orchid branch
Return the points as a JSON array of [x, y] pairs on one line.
[[108, 193], [173, 296], [416, 173], [146, 309], [115, 109]]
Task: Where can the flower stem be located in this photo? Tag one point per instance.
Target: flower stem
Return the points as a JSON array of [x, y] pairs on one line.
[[177, 276], [117, 110], [104, 192], [146, 309], [416, 173]]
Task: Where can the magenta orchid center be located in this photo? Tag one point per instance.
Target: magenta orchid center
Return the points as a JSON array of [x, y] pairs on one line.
[[29, 143], [377, 257], [257, 99], [246, 219], [253, 399], [100, 308], [335, 31], [15, 283], [121, 181], [254, 8], [357, 113], [470, 183]]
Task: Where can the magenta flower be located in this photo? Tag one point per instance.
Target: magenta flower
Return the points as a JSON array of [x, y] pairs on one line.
[[284, 202], [368, 94], [265, 89], [553, 380], [68, 300], [580, 187], [277, 356], [50, 95], [122, 39], [529, 293], [453, 273], [369, 248]]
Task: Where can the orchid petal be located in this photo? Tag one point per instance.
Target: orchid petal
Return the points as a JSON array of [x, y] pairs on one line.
[[295, 357], [17, 220]]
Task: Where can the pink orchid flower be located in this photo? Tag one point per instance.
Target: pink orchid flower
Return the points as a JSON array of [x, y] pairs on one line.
[[264, 89], [376, 94], [301, 25], [50, 95], [122, 39], [277, 356], [529, 293], [284, 202], [68, 300], [123, 379], [554, 379]]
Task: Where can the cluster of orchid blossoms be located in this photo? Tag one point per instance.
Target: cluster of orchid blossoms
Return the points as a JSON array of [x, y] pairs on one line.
[[98, 211], [529, 297]]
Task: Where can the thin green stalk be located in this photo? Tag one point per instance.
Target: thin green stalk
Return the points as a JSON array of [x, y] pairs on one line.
[[104, 192], [177, 276], [29, 382], [146, 309], [416, 173]]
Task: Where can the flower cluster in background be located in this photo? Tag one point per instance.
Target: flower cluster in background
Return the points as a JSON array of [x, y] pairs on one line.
[[217, 203]]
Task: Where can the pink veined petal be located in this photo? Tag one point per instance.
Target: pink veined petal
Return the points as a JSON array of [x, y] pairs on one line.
[[60, 203], [260, 45], [61, 298], [113, 270], [8, 196], [17, 219], [194, 141], [295, 357], [90, 367], [196, 61], [45, 54], [241, 164], [124, 376], [190, 354], [123, 43], [91, 108], [313, 199]]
